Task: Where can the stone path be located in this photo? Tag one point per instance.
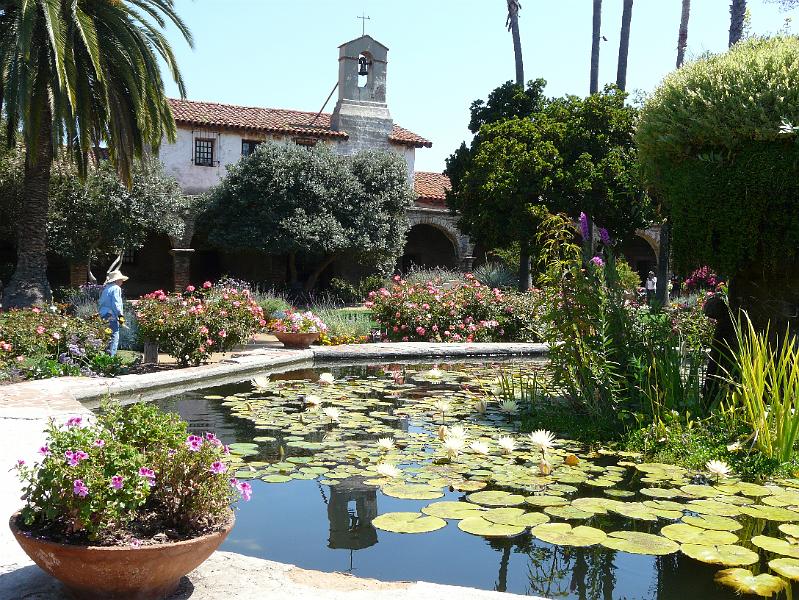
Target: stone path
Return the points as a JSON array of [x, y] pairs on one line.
[[25, 408]]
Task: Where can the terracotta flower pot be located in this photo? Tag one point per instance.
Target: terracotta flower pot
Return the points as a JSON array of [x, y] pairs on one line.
[[116, 572], [296, 340]]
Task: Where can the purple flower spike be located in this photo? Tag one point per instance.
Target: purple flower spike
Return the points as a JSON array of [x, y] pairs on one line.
[[79, 489], [597, 261], [604, 236], [584, 225]]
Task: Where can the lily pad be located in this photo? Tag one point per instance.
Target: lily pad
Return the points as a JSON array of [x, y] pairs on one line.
[[563, 534], [412, 491], [408, 522], [541, 501], [743, 581], [770, 513], [636, 542], [567, 513], [790, 530], [787, 567], [502, 516], [479, 526], [776, 545], [729, 555], [452, 510], [495, 498], [688, 534], [713, 522]]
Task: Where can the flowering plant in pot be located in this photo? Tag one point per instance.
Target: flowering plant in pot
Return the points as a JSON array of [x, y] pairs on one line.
[[298, 329], [125, 505]]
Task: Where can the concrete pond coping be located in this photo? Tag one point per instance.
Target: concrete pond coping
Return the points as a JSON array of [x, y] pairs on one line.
[[26, 407]]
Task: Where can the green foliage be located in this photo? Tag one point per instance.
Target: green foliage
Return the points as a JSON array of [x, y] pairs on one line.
[[354, 293], [94, 481], [613, 359], [569, 155], [192, 325], [421, 275], [345, 325], [495, 275], [506, 102], [629, 280], [713, 154], [12, 166], [101, 216], [765, 389], [270, 303], [315, 205]]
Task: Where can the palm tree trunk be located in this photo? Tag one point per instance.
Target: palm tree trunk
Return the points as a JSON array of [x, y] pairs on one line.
[[624, 44], [737, 17], [682, 37], [29, 285], [595, 38], [513, 26]]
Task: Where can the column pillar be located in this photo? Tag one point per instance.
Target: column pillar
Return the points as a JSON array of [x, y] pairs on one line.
[[181, 268], [78, 274]]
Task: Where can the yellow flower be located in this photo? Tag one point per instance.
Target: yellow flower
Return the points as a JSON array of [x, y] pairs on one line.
[[108, 330]]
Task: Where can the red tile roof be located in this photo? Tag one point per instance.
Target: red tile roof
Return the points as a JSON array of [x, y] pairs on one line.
[[431, 188], [272, 120]]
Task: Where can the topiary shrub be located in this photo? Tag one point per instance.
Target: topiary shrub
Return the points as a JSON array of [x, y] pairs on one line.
[[718, 153]]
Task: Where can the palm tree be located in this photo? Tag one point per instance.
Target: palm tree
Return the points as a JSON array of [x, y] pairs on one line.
[[595, 39], [512, 23], [74, 75], [737, 18], [624, 44], [682, 37]]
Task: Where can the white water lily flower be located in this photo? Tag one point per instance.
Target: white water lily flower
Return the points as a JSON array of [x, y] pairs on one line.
[[542, 438], [718, 468], [453, 446], [457, 431], [480, 447], [509, 406], [388, 470], [261, 382], [734, 447], [441, 406], [313, 400], [326, 379], [385, 444], [435, 373], [481, 406], [332, 413], [508, 444]]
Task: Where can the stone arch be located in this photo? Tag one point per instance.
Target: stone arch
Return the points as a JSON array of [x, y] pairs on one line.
[[429, 246], [446, 224]]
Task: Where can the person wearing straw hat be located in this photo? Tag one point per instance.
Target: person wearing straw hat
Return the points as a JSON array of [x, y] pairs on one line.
[[110, 305]]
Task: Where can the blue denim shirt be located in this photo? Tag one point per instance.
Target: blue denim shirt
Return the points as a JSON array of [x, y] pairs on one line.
[[111, 302]]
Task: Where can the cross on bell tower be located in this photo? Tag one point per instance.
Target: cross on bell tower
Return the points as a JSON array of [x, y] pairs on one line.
[[364, 19]]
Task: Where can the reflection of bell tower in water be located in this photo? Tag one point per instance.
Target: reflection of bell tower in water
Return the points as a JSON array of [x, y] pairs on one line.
[[350, 510], [361, 110]]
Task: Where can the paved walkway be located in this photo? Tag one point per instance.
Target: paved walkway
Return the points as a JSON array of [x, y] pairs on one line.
[[25, 408]]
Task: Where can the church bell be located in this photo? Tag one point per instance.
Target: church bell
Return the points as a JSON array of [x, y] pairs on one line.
[[363, 66]]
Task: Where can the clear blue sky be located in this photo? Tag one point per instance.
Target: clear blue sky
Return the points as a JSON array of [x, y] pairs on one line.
[[442, 53]]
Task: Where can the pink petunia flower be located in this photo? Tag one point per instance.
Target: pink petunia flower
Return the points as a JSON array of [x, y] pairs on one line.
[[79, 489], [116, 482], [218, 467], [194, 443]]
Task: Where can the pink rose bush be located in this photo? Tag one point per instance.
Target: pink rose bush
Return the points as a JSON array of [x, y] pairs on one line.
[[193, 324], [299, 322], [103, 492], [702, 278], [453, 312]]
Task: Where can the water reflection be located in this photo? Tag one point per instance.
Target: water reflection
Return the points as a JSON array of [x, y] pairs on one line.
[[323, 527]]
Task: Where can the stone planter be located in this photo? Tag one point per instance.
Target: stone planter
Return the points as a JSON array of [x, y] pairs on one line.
[[296, 340], [116, 572]]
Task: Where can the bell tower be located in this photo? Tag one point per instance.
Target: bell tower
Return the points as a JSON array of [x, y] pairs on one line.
[[361, 110]]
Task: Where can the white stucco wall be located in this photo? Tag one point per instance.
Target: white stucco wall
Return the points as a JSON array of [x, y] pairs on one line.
[[178, 158]]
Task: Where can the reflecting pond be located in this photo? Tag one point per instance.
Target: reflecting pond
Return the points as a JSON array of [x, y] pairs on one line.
[[405, 472]]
